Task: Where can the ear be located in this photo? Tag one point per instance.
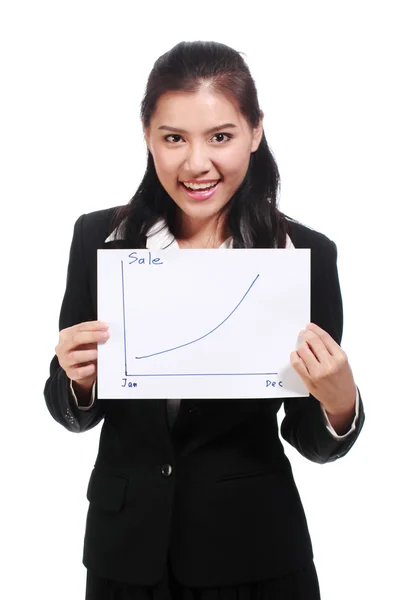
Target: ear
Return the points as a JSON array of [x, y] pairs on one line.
[[146, 135], [257, 133]]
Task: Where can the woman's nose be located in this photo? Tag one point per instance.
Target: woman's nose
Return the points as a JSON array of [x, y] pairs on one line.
[[198, 159]]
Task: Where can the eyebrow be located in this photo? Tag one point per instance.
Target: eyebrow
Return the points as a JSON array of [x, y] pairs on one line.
[[224, 126]]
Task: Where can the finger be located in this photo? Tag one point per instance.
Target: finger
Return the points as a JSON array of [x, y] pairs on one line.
[[316, 345], [310, 361], [86, 326], [77, 373], [78, 338], [328, 340], [299, 365], [87, 347], [77, 357], [62, 349], [90, 326]]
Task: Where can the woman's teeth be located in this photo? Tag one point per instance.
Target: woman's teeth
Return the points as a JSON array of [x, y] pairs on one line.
[[199, 186]]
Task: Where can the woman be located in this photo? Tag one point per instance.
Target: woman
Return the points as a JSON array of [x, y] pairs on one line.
[[197, 499]]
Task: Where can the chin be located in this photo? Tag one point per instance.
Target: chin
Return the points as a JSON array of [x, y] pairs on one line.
[[202, 213]]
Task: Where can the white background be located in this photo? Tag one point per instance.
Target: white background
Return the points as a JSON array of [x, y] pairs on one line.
[[72, 78]]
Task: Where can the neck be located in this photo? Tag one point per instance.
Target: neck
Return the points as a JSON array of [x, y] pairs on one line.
[[205, 234]]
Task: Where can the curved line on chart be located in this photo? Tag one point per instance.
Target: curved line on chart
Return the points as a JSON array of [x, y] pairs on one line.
[[209, 333]]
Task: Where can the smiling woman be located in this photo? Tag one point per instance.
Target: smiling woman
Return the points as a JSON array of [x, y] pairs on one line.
[[202, 154], [197, 500], [202, 124]]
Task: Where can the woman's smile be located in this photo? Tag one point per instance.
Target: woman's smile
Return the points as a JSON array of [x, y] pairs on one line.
[[200, 194]]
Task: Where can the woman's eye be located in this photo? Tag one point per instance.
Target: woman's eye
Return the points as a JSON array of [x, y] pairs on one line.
[[219, 135], [173, 135], [227, 135]]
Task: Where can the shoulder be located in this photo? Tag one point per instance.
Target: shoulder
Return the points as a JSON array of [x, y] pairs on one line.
[[304, 236], [96, 226], [90, 232]]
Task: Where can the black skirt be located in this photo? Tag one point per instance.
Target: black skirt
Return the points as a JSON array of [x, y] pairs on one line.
[[299, 585]]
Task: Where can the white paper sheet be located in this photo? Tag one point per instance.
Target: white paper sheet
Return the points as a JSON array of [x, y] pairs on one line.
[[210, 323]]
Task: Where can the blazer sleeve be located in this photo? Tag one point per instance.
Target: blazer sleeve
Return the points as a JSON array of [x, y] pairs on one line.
[[76, 308], [303, 425]]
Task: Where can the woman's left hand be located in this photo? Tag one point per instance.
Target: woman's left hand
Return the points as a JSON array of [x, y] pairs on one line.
[[325, 371]]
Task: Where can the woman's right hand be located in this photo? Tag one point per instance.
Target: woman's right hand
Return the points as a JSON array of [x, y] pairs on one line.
[[77, 351]]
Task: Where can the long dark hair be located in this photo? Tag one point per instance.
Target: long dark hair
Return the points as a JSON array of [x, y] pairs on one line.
[[252, 215]]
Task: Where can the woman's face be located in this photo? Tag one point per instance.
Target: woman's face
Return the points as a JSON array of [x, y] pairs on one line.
[[195, 137]]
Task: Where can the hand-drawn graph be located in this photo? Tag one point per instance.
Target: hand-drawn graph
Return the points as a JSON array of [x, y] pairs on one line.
[[203, 336], [198, 324]]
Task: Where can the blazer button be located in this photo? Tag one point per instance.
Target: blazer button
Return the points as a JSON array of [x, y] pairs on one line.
[[166, 470]]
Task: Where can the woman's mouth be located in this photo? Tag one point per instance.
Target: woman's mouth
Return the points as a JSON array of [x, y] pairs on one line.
[[203, 194]]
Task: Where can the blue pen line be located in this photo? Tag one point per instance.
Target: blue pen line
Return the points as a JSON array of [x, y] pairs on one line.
[[194, 374], [203, 336], [123, 314]]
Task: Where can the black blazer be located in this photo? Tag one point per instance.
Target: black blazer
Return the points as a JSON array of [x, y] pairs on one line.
[[217, 490]]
